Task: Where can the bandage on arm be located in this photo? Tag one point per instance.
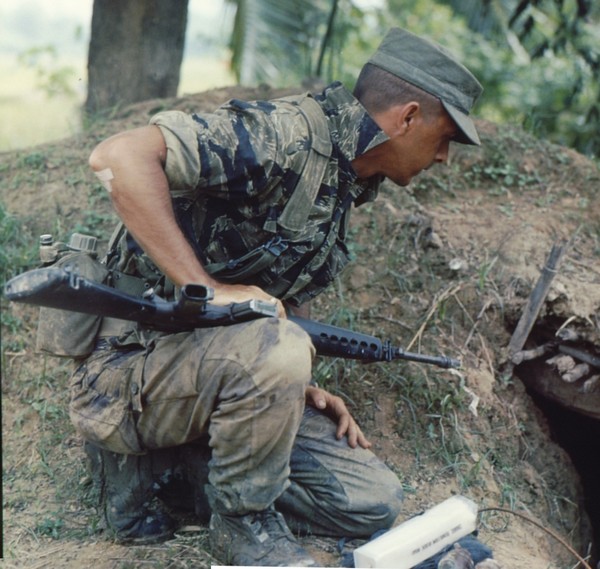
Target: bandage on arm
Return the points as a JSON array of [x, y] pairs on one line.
[[105, 176]]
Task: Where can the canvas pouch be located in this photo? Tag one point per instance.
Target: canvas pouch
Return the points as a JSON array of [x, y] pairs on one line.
[[65, 333]]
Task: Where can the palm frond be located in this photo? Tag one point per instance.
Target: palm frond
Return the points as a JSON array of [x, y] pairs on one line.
[[486, 17], [272, 36]]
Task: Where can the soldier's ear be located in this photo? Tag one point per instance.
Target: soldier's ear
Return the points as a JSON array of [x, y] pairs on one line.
[[398, 120], [405, 117]]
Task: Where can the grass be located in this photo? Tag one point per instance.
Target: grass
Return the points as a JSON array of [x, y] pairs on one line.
[[16, 250], [427, 400]]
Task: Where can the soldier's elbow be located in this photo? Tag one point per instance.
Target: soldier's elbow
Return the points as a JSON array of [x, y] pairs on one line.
[[129, 148]]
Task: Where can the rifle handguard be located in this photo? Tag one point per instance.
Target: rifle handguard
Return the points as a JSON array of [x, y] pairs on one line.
[[342, 343]]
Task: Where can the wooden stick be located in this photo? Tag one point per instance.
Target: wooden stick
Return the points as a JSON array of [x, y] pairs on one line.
[[536, 300]]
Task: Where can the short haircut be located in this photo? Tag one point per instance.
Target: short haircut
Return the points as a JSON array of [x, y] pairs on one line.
[[378, 90]]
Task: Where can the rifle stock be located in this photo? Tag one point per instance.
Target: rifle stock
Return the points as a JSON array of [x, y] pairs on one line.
[[64, 289]]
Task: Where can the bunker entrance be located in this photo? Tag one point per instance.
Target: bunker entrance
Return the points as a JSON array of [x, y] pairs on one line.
[[562, 375]]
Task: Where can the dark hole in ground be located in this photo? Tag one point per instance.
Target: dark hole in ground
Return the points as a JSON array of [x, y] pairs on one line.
[[579, 435]]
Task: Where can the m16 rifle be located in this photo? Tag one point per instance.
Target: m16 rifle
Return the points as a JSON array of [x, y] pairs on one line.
[[62, 288]]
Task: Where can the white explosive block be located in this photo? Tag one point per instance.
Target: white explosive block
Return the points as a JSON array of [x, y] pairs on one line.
[[420, 537]]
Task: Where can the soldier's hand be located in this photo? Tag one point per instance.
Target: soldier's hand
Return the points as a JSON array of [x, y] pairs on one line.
[[335, 407], [226, 294]]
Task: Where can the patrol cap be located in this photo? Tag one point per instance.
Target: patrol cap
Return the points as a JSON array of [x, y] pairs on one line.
[[435, 70]]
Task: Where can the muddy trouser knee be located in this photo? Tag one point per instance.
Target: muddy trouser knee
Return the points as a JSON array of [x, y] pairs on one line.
[[244, 385], [336, 490]]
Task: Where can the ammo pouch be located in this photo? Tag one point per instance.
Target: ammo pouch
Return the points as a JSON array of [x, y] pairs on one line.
[[63, 332]]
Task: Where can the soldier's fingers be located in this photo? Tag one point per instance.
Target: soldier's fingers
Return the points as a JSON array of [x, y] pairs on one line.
[[343, 428], [362, 440]]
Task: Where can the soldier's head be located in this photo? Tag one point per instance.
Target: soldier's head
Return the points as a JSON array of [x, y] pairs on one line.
[[421, 96]]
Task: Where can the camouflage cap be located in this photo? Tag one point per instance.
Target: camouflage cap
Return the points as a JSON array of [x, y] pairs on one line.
[[434, 69]]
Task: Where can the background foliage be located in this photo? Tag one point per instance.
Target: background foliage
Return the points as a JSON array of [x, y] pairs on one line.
[[539, 60]]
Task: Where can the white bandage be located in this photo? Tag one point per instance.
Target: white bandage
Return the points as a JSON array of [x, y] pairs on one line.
[[105, 176]]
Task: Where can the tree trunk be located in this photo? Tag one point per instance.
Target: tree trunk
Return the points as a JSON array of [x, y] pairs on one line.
[[135, 52]]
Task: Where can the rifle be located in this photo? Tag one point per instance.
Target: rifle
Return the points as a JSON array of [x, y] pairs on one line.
[[64, 289]]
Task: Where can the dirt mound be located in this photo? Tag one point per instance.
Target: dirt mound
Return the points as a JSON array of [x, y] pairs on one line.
[[446, 266]]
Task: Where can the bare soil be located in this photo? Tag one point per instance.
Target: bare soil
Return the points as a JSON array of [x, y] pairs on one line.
[[443, 267]]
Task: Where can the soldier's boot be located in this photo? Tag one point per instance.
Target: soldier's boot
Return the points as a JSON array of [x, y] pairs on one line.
[[253, 539], [127, 485], [256, 539]]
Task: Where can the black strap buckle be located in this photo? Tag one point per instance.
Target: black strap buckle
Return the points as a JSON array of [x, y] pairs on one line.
[[276, 246], [259, 257]]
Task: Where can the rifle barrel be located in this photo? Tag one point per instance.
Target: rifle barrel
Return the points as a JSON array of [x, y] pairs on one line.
[[440, 361]]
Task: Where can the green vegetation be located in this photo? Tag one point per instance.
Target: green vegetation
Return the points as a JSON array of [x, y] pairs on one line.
[[52, 78], [538, 61]]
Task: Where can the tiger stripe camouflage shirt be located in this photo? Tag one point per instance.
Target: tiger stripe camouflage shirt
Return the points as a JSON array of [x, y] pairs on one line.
[[263, 189]]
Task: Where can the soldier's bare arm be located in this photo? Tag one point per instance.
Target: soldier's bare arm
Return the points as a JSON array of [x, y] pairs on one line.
[[131, 166]]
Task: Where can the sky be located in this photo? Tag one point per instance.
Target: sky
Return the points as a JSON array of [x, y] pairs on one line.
[[65, 24]]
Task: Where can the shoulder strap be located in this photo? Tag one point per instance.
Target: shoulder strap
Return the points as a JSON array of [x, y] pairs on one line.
[[294, 215], [113, 243]]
